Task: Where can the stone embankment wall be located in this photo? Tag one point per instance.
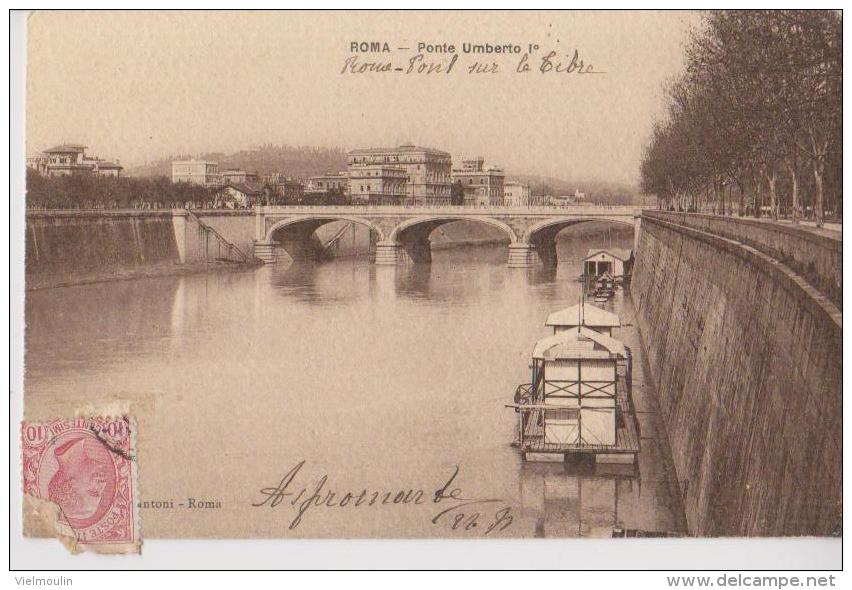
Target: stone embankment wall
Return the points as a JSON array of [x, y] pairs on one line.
[[71, 247], [68, 241], [815, 257], [746, 356]]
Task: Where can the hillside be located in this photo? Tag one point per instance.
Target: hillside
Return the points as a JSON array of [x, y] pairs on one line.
[[300, 162], [608, 193], [305, 161]]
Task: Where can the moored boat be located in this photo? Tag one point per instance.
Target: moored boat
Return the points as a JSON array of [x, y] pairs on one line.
[[579, 397]]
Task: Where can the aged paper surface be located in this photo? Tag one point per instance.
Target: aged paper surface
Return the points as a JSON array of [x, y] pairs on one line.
[[314, 256]]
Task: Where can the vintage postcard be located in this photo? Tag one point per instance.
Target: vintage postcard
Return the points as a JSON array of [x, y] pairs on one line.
[[437, 274]]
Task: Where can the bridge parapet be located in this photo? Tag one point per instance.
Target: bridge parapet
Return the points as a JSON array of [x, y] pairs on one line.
[[815, 255], [533, 210]]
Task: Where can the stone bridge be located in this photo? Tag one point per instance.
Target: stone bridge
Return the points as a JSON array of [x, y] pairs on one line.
[[401, 233]]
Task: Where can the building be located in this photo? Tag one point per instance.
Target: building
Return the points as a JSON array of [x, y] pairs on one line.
[[105, 168], [321, 184], [285, 189], [615, 261], [242, 194], [201, 172], [482, 186], [236, 175], [36, 161], [428, 171], [71, 158], [516, 194], [378, 184]]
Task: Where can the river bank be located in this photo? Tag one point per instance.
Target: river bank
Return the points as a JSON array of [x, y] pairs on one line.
[[69, 250], [55, 280]]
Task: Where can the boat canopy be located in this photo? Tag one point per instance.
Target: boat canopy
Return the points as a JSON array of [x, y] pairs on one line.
[[582, 343], [591, 316], [622, 254]]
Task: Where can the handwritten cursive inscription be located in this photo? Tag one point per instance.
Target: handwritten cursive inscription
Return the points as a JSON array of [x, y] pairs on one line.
[[453, 509], [425, 64]]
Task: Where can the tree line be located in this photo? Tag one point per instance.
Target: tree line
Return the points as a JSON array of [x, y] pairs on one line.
[[90, 191], [753, 123]]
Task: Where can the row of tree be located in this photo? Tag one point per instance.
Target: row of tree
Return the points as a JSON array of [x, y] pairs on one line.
[[90, 191], [754, 122]]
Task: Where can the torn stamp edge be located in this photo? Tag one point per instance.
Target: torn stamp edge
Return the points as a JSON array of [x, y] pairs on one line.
[[49, 513]]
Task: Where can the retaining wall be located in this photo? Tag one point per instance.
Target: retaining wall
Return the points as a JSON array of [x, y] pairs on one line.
[[747, 361]]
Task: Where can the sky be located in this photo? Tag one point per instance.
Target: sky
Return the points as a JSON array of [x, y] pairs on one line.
[[147, 85]]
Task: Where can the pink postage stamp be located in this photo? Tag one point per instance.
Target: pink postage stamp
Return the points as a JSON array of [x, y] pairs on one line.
[[86, 467]]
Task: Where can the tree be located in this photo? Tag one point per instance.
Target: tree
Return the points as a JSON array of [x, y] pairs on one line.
[[760, 95]]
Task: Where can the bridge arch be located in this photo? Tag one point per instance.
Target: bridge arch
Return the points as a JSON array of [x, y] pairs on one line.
[[435, 221], [320, 220], [556, 225]]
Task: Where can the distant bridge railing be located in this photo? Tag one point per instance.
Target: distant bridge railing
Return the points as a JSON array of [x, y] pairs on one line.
[[425, 208], [468, 209]]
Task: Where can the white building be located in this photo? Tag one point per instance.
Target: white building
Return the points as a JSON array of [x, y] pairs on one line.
[[378, 184], [200, 172], [321, 184], [482, 185], [428, 171], [516, 194]]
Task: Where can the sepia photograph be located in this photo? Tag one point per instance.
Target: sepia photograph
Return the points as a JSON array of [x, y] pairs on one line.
[[449, 275]]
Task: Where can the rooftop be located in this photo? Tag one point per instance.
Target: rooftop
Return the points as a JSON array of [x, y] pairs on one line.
[[246, 188], [330, 175], [405, 148], [620, 253], [108, 165], [586, 315], [66, 148], [580, 344], [491, 170]]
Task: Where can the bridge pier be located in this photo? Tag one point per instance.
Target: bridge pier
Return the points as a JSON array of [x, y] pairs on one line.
[[388, 253], [521, 255], [402, 233], [265, 251]]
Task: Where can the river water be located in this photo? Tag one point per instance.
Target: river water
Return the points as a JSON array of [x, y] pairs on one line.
[[382, 379]]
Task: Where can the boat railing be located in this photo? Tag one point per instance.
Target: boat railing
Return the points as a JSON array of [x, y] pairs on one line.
[[524, 393]]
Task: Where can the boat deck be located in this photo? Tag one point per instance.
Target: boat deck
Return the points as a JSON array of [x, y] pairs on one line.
[[626, 434]]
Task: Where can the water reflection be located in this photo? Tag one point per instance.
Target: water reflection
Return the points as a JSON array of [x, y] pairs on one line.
[[311, 282], [70, 326], [414, 281], [576, 498], [541, 275], [373, 373]]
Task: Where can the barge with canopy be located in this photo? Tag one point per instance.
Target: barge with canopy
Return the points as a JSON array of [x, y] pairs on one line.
[[579, 398]]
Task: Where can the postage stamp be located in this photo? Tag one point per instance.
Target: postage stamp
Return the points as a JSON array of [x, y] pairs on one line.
[[85, 467]]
